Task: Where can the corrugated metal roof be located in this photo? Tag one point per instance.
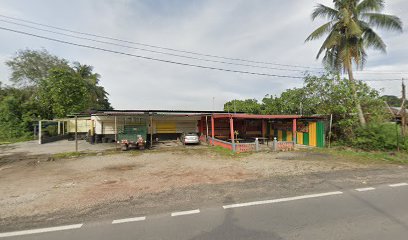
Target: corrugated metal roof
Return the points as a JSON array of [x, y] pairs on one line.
[[146, 111], [257, 116]]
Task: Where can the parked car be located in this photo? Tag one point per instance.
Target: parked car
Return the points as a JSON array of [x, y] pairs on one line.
[[190, 138]]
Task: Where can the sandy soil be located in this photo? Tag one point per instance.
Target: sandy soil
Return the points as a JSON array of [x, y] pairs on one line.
[[36, 186], [33, 148]]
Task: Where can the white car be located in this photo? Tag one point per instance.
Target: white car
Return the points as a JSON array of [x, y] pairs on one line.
[[190, 138]]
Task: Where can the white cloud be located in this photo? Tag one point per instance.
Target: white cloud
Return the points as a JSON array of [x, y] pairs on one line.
[[272, 31]]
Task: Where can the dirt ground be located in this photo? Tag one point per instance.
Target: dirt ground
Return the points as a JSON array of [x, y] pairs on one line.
[[37, 185], [33, 148]]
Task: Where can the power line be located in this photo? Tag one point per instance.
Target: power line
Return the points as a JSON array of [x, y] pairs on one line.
[[168, 61], [158, 47], [159, 52], [182, 51], [381, 80], [148, 58]]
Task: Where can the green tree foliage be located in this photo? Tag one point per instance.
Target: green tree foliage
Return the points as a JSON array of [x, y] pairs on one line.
[[350, 32], [97, 96], [378, 137], [29, 67], [246, 106], [63, 92], [14, 116], [393, 101], [322, 95], [46, 87]]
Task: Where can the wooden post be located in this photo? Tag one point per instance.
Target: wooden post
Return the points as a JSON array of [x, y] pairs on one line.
[[294, 129], [264, 128], [206, 124], [116, 129], [63, 127], [403, 112], [35, 131], [151, 131], [39, 132], [330, 129], [212, 128], [59, 128], [232, 133], [76, 133]]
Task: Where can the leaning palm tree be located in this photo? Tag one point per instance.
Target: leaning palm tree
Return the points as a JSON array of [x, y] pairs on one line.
[[349, 33]]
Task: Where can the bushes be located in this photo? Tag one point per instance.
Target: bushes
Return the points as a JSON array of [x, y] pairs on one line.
[[378, 137]]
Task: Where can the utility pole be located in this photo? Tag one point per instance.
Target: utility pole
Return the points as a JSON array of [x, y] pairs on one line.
[[403, 112], [76, 133]]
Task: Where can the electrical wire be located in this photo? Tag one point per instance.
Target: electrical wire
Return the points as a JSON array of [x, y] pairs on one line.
[[159, 52], [158, 47], [148, 58], [183, 51], [169, 61]]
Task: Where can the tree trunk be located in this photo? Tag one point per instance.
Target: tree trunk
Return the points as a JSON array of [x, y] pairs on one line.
[[357, 101]]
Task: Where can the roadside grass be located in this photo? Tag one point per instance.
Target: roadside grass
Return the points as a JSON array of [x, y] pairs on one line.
[[64, 155], [223, 152], [72, 155], [342, 153], [15, 140]]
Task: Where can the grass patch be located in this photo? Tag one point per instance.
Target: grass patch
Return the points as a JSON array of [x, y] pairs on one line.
[[16, 140], [365, 156], [70, 155], [223, 152]]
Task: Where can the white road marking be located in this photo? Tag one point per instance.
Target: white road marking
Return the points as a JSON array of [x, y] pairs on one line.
[[281, 200], [365, 189], [174, 214], [40, 230], [398, 185], [125, 220]]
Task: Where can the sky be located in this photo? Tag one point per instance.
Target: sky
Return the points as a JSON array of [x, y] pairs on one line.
[[270, 31]]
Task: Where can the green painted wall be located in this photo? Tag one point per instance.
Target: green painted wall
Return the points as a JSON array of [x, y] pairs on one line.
[[320, 134], [306, 139]]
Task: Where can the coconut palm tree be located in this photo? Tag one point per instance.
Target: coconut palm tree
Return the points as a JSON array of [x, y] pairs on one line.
[[349, 33]]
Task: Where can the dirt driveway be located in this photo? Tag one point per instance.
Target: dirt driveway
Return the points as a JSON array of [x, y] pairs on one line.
[[32, 187]]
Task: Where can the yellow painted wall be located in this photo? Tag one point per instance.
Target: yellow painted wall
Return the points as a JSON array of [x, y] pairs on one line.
[[166, 127], [312, 134], [299, 137], [280, 135], [83, 126], [289, 136]]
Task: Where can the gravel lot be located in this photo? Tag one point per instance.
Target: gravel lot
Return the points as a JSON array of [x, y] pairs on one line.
[[33, 187]]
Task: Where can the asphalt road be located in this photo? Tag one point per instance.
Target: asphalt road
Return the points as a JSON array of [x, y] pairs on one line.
[[380, 212]]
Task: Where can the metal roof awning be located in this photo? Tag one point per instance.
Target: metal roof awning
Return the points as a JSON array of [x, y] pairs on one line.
[[256, 116]]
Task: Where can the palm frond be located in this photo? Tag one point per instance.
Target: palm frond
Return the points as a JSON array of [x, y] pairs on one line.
[[354, 29], [319, 32], [385, 21], [330, 42], [373, 40], [324, 12], [370, 5]]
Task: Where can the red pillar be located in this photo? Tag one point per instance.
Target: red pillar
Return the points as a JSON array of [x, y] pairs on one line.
[[201, 126], [232, 130], [212, 126], [294, 130]]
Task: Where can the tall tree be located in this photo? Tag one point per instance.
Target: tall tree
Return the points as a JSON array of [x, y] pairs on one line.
[[29, 67], [350, 32], [63, 92], [98, 97]]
